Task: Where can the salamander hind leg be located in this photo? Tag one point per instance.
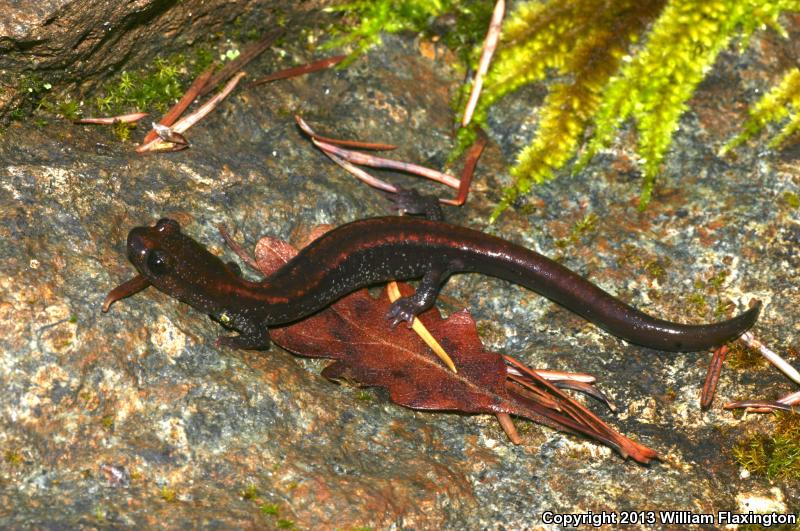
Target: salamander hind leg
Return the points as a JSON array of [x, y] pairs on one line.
[[406, 308]]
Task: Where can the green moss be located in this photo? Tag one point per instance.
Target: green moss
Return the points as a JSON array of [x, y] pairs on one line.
[[269, 509], [605, 63], [13, 458], [653, 88], [66, 108], [364, 395], [167, 494], [741, 357], [581, 228], [153, 88], [283, 523], [775, 455], [122, 130], [32, 88], [781, 104], [791, 199], [709, 295], [99, 513], [698, 303], [582, 44], [657, 269], [107, 422], [374, 17], [250, 492], [723, 307]]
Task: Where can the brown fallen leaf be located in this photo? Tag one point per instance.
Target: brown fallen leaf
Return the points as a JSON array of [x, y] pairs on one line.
[[355, 334]]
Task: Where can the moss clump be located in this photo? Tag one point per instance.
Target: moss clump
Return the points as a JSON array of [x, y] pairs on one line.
[[364, 395], [374, 17], [250, 492], [32, 90], [269, 509], [780, 104], [579, 43], [791, 199], [66, 108], [167, 494], [653, 87], [708, 291], [742, 358], [13, 458], [581, 228], [606, 61], [775, 455], [156, 88]]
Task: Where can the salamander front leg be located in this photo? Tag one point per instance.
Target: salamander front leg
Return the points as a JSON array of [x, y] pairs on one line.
[[406, 308]]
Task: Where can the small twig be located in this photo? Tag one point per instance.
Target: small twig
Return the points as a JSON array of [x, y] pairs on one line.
[[111, 120], [362, 175], [314, 66], [587, 389], [393, 290], [468, 172], [712, 376], [349, 143], [758, 406], [557, 376], [489, 46], [379, 162], [572, 408], [508, 426], [238, 249], [249, 53], [188, 97], [527, 388], [345, 156], [748, 339], [185, 123], [168, 135], [791, 399], [785, 403]]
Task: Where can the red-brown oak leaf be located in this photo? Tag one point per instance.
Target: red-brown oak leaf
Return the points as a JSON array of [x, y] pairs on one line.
[[355, 333]]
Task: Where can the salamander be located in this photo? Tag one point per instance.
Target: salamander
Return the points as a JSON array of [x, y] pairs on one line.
[[374, 250]]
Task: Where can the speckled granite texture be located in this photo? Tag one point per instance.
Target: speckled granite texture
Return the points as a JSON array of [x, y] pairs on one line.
[[224, 438]]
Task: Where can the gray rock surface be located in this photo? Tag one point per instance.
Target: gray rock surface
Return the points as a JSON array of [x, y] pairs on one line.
[[135, 418]]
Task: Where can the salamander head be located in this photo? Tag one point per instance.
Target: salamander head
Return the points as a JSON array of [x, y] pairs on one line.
[[177, 265]]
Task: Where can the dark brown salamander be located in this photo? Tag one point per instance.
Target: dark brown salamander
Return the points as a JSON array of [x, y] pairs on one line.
[[375, 250]]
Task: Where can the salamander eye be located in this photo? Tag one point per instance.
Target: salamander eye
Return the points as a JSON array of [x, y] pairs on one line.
[[167, 225], [157, 263]]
